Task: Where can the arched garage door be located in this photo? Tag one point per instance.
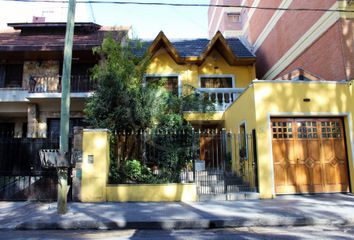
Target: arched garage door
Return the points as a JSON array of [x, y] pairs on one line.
[[309, 155]]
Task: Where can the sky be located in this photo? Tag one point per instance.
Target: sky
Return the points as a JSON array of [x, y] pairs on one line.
[[146, 21]]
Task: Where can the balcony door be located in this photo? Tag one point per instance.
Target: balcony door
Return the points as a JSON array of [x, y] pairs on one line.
[[216, 82], [11, 75], [53, 130]]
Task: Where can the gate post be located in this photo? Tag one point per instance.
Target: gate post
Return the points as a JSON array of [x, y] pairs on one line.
[[76, 156], [95, 165]]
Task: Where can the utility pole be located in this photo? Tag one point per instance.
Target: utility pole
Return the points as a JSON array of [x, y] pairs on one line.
[[63, 187]]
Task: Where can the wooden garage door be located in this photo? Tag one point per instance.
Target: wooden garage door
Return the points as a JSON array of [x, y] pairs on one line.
[[309, 155]]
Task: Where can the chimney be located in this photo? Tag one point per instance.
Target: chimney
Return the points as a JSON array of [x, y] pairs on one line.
[[38, 19]]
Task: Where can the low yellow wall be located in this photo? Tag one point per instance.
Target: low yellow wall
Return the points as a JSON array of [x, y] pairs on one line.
[[210, 116], [151, 193], [95, 187]]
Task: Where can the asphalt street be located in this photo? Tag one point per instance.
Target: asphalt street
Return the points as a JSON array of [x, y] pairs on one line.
[[308, 232]]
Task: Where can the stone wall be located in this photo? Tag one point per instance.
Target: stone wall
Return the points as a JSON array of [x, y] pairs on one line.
[[45, 72], [38, 120]]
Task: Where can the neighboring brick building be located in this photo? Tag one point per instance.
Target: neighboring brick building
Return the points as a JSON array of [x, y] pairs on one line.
[[320, 42]]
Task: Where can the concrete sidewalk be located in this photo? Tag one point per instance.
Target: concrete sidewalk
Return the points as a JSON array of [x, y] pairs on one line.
[[328, 209]]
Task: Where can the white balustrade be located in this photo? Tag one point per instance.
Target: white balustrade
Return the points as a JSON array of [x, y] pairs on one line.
[[221, 97]]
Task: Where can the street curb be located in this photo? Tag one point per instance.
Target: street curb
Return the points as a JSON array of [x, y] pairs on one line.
[[181, 224]]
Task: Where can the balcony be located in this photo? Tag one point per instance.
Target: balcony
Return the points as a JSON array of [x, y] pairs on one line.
[[222, 98], [78, 84]]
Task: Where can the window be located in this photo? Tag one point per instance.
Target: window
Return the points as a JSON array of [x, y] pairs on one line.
[[234, 17], [216, 82], [11, 75], [53, 129], [169, 82], [243, 142], [282, 129], [7, 130]]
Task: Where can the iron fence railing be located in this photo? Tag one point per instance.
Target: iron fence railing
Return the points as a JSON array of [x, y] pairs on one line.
[[20, 156], [52, 84], [21, 175], [216, 159], [40, 187]]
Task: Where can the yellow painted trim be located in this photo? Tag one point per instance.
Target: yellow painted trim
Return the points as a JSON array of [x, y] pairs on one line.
[[196, 116], [152, 193], [317, 30]]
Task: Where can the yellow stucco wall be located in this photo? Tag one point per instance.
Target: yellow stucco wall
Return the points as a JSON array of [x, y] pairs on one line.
[[151, 192], [163, 63], [94, 185], [241, 111], [283, 99], [210, 116], [95, 143], [286, 99]]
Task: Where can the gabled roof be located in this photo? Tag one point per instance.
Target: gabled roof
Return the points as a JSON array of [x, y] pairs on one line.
[[300, 74], [197, 50]]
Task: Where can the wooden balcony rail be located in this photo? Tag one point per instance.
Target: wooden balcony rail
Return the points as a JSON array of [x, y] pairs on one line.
[[52, 84], [221, 97]]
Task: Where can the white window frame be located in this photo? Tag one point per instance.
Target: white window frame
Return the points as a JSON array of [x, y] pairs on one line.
[[167, 75], [216, 76], [230, 16], [244, 122]]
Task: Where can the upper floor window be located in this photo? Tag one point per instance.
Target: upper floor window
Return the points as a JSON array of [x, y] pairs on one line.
[[234, 17], [11, 75], [216, 81], [171, 83]]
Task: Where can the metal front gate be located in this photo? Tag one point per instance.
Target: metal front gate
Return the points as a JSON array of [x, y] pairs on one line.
[[221, 174], [21, 175]]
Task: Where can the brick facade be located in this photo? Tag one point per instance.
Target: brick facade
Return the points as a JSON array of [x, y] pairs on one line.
[[324, 40]]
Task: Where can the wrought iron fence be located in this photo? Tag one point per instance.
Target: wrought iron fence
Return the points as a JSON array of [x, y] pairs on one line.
[[217, 160], [21, 174], [52, 84]]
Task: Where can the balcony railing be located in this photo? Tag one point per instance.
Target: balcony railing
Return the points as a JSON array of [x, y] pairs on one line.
[[222, 98], [78, 83]]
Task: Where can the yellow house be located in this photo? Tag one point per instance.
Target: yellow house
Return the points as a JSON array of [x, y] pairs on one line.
[[220, 68], [303, 137]]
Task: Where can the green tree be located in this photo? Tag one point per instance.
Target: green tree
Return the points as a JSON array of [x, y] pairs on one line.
[[122, 102]]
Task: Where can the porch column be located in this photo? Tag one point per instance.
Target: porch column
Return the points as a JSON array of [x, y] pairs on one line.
[[32, 120]]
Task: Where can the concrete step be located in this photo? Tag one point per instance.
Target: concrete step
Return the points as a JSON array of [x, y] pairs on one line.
[[228, 196], [239, 188], [210, 177], [211, 183], [211, 189]]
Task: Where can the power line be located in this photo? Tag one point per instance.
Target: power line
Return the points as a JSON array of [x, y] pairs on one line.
[[189, 5]]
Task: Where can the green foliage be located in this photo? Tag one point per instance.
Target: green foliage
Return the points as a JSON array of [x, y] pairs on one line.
[[132, 171], [123, 103]]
